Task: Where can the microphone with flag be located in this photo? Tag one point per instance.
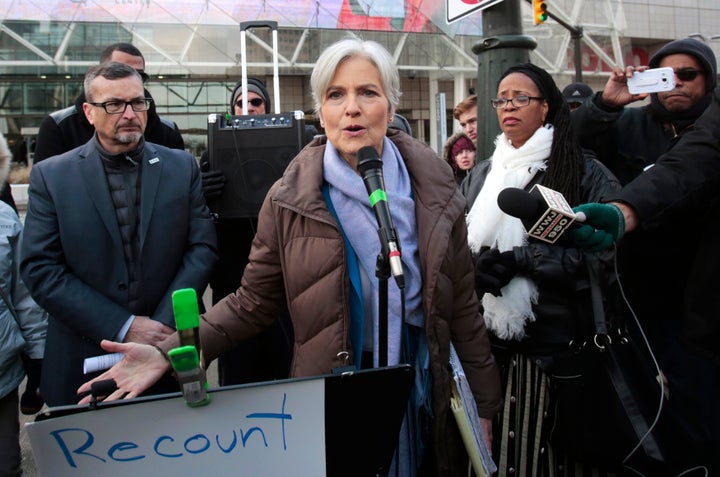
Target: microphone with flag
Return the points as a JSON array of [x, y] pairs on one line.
[[370, 167], [544, 212]]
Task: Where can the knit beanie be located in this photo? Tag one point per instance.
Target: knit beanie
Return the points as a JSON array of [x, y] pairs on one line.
[[254, 85], [463, 143], [690, 46]]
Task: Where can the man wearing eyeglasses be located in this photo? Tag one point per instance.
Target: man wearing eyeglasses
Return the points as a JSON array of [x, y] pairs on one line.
[[68, 128], [656, 264], [112, 229]]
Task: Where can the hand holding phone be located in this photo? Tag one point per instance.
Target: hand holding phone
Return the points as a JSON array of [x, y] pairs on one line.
[[651, 81]]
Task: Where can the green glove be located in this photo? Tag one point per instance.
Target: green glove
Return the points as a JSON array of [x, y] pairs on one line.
[[604, 224]]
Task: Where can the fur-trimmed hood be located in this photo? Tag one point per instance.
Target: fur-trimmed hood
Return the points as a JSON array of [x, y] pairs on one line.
[[447, 149], [448, 157]]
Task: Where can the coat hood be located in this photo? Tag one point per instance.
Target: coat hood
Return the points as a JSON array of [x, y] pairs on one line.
[[447, 149], [689, 46]]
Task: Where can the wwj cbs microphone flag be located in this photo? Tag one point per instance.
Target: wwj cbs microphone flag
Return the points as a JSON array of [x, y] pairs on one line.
[[457, 9]]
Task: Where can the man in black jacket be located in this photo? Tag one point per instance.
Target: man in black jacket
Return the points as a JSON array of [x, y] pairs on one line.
[[112, 229], [682, 191], [627, 139], [68, 128], [657, 264]]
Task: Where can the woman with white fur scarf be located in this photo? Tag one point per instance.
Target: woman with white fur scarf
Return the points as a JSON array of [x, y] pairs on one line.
[[533, 293]]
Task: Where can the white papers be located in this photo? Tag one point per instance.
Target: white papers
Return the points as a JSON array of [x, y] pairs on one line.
[[463, 406], [100, 363]]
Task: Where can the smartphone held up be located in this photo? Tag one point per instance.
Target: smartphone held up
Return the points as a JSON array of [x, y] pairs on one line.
[[654, 80]]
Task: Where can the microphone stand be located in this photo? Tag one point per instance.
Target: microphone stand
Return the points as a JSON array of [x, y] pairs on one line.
[[382, 272], [388, 261]]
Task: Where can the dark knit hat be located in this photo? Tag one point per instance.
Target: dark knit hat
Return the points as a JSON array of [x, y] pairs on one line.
[[463, 143], [254, 85], [690, 46]]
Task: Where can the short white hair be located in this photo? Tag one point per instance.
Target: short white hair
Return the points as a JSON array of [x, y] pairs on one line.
[[352, 47]]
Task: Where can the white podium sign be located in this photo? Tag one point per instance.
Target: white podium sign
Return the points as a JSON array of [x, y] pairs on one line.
[[273, 429]]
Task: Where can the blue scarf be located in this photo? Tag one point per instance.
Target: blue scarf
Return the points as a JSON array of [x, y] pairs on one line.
[[352, 205]]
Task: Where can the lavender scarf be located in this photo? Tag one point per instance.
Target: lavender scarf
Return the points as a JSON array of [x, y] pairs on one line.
[[352, 204]]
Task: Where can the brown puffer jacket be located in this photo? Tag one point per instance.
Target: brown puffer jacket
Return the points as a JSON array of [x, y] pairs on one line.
[[298, 256]]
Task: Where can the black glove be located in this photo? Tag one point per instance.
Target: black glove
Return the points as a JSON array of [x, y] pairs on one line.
[[213, 181], [493, 270], [507, 267], [31, 402]]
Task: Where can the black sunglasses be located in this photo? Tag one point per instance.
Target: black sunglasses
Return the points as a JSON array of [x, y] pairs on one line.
[[257, 102], [687, 74]]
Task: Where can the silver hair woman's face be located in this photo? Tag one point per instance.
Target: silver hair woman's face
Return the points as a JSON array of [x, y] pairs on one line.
[[355, 109]]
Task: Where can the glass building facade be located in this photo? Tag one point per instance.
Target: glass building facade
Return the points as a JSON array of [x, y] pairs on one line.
[[193, 55]]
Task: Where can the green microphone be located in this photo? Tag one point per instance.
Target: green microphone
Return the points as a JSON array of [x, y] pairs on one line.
[[190, 375], [187, 318], [187, 359]]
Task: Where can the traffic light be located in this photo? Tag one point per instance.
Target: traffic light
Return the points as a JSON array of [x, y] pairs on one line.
[[539, 13]]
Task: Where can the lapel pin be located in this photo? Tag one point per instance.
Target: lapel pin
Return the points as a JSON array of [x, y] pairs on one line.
[[154, 160]]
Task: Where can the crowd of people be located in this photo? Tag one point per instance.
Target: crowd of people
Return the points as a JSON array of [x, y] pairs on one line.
[[295, 289]]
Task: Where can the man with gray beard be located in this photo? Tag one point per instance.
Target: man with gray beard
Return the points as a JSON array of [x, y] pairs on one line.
[[113, 227]]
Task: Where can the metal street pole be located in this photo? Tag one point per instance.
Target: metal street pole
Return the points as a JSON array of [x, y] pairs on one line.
[[576, 33], [502, 46]]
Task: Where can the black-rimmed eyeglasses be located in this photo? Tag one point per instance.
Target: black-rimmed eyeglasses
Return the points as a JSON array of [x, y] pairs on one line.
[[118, 107], [256, 102], [518, 101], [687, 74]]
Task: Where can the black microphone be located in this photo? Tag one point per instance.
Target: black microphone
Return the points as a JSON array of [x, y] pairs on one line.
[[101, 389], [370, 166], [545, 213]]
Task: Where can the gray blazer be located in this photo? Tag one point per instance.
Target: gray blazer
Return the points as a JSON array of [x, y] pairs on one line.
[[73, 261]]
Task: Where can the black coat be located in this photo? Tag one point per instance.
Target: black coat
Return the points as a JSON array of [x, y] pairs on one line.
[[686, 182], [559, 270], [73, 261], [626, 140], [652, 263]]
